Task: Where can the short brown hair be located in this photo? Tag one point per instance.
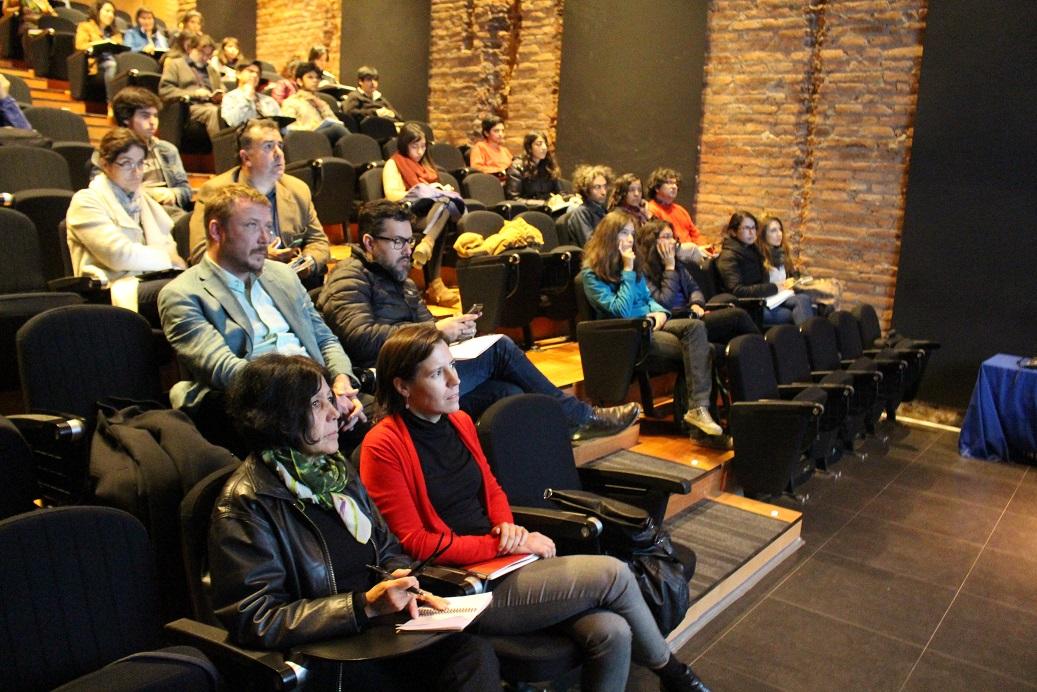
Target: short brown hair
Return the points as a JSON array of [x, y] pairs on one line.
[[130, 100], [400, 356], [244, 134], [658, 177], [224, 202], [117, 142]]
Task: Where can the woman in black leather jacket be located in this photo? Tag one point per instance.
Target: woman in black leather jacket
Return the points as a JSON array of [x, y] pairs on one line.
[[283, 571], [534, 176]]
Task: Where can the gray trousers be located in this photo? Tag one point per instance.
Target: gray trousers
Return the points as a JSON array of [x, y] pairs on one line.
[[684, 343], [595, 599]]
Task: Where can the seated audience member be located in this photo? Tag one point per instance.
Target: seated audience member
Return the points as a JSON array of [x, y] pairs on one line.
[[236, 305], [164, 177], [192, 77], [663, 185], [534, 176], [227, 58], [777, 252], [294, 530], [285, 86], [489, 155], [10, 112], [308, 109], [145, 36], [296, 228], [410, 175], [246, 101], [426, 471], [115, 232], [742, 271], [626, 197], [613, 278], [367, 100], [100, 28], [673, 287], [191, 23], [368, 298], [592, 183], [319, 57], [29, 12]]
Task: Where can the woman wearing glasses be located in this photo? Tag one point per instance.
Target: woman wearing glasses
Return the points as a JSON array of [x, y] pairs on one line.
[[293, 533], [115, 232], [427, 473]]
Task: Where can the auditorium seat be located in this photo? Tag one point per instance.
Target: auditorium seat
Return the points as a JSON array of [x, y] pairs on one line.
[[894, 370], [378, 128], [332, 180], [488, 190], [136, 69], [449, 158], [70, 138], [916, 352], [19, 89]]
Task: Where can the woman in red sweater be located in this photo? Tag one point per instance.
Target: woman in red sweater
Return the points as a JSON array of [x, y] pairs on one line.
[[426, 472]]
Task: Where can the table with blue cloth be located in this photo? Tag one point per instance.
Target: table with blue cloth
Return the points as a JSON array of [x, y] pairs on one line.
[[1001, 421]]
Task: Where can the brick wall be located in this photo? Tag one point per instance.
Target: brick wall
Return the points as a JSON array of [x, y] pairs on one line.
[[808, 114], [494, 57]]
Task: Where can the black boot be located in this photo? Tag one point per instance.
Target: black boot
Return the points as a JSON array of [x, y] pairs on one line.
[[607, 421], [679, 677]]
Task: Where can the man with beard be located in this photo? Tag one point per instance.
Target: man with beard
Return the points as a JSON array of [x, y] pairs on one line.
[[237, 304], [592, 182], [368, 296]]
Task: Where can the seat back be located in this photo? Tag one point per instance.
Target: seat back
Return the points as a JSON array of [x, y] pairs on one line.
[[868, 322], [389, 148], [32, 168], [378, 128], [822, 343], [69, 358], [332, 102], [791, 360], [17, 468], [370, 184], [706, 277], [19, 89], [47, 208], [504, 434], [182, 235], [79, 593], [305, 145], [71, 14], [21, 245], [195, 517], [483, 187], [545, 224], [584, 310], [58, 124], [848, 334], [485, 223], [57, 23], [751, 369], [447, 156], [136, 61], [358, 149], [448, 179]]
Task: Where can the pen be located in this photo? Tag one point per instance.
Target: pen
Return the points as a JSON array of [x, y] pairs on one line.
[[386, 575]]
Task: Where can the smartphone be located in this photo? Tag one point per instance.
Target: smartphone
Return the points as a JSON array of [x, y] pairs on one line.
[[475, 309]]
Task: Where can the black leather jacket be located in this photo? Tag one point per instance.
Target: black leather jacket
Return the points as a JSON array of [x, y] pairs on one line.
[[741, 270], [272, 582]]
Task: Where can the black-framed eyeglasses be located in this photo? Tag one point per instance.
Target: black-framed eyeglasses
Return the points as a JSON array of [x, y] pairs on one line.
[[398, 243]]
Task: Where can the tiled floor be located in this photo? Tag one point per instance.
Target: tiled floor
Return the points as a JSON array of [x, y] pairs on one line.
[[919, 573]]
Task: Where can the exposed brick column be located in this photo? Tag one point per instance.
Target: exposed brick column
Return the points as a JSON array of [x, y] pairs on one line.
[[286, 28]]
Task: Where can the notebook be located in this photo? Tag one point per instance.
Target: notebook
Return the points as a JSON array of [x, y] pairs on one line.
[[460, 612], [499, 566]]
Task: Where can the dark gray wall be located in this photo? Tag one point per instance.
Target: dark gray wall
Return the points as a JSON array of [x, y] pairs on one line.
[[236, 19], [394, 38], [631, 86], [968, 261]]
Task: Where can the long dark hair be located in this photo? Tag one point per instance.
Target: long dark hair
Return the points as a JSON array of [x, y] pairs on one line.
[[400, 356], [269, 401], [645, 239], [601, 254], [736, 221], [412, 132], [544, 168]]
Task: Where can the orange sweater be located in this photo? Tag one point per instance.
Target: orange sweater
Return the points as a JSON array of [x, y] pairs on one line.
[[677, 216]]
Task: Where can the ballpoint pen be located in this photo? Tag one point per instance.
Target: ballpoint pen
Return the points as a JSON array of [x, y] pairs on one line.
[[385, 574]]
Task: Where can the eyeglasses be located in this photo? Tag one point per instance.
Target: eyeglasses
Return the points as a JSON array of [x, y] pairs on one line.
[[127, 165], [398, 243]]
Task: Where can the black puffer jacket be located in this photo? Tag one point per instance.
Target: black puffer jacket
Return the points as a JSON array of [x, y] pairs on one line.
[[363, 304], [741, 270], [272, 582]]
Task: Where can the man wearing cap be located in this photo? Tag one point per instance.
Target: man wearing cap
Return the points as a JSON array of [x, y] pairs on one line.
[[246, 101]]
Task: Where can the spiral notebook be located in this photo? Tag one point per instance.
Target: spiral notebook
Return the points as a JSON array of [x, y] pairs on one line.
[[460, 612]]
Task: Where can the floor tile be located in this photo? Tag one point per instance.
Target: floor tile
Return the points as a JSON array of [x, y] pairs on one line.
[[937, 513], [723, 679], [938, 672], [968, 486], [952, 461], [990, 635], [1005, 578], [821, 523], [1015, 533], [794, 649], [846, 493], [1025, 500], [920, 554], [867, 596], [874, 469]]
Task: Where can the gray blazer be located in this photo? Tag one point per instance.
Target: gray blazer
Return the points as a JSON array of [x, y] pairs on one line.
[[213, 337], [179, 80]]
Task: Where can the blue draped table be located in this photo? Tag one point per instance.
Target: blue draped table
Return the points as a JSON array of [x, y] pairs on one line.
[[1001, 421]]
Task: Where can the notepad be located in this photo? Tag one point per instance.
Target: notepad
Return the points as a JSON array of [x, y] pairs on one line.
[[499, 566], [461, 611], [778, 298]]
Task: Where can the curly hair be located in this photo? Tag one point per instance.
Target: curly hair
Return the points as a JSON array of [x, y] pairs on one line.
[[658, 177], [584, 175], [620, 188], [601, 254]]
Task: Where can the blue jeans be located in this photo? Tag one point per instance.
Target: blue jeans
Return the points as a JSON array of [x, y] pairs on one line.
[[795, 310], [503, 369], [332, 131], [596, 600]]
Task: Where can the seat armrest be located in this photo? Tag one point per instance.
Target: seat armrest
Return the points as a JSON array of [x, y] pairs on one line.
[[601, 481], [557, 523], [44, 427], [268, 668], [75, 284], [780, 407], [875, 375], [789, 391]]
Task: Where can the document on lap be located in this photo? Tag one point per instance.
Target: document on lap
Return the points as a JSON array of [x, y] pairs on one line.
[[474, 347], [461, 611], [499, 566]]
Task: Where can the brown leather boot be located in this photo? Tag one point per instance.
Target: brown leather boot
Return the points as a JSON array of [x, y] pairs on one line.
[[437, 293]]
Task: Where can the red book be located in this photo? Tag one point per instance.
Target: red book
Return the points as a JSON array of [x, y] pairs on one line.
[[499, 566]]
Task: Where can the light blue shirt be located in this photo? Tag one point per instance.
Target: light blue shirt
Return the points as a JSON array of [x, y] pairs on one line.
[[270, 331]]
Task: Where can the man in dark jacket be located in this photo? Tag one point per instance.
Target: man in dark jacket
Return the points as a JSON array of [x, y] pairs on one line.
[[368, 296]]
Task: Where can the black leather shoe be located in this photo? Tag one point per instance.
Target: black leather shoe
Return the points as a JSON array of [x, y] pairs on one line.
[[607, 421], [682, 679]]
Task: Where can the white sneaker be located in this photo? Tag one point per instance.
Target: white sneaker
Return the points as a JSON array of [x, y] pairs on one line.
[[699, 417]]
